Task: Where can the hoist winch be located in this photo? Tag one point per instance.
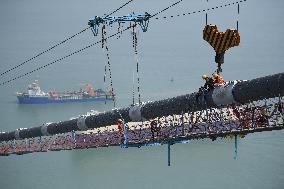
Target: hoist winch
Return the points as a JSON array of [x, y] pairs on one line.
[[220, 41]]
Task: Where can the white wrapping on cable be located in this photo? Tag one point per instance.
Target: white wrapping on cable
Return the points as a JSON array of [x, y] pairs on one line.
[[81, 123], [135, 113], [43, 129], [223, 94]]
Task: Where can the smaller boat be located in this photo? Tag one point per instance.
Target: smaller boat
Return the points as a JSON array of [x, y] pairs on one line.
[[34, 95]]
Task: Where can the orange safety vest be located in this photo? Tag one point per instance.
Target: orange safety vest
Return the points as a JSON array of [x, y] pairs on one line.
[[219, 80], [119, 126]]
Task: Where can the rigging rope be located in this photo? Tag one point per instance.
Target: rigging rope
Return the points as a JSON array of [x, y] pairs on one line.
[[58, 44], [105, 73]]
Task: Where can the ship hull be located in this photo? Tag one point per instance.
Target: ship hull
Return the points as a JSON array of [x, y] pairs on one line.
[[47, 100]]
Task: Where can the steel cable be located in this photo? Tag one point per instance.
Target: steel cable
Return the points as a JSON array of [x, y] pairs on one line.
[[58, 44], [43, 52], [60, 59], [199, 11], [119, 8]]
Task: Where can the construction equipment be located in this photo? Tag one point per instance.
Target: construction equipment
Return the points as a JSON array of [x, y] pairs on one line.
[[220, 41], [141, 19]]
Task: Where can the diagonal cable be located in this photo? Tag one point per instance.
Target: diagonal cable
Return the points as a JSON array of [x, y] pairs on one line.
[[166, 8], [60, 59], [43, 52], [58, 44]]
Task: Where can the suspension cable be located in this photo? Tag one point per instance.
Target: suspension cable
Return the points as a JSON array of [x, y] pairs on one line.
[[119, 8], [58, 44], [166, 8], [199, 11]]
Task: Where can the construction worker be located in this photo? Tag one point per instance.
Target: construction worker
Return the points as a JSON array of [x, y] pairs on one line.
[[120, 129], [236, 112], [209, 82], [218, 79], [262, 118], [154, 128]]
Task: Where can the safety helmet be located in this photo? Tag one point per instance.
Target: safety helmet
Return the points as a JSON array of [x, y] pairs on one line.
[[215, 75], [204, 77]]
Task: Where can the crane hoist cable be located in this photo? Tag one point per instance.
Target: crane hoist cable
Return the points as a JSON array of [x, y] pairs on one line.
[[58, 44], [105, 66], [238, 16], [206, 16], [105, 46], [133, 88], [135, 42]]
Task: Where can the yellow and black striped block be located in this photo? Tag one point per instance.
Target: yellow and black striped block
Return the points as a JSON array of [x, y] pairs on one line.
[[221, 41]]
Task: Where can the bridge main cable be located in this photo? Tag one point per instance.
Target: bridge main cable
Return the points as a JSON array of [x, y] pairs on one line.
[[239, 92]]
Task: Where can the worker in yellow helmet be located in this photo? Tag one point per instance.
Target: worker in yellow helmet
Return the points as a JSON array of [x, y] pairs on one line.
[[218, 79], [209, 82], [209, 85]]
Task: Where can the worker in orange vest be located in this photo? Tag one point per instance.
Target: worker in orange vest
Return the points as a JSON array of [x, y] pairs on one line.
[[120, 129], [218, 79]]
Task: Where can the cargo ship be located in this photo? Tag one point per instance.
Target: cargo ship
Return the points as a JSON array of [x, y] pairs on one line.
[[34, 95]]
